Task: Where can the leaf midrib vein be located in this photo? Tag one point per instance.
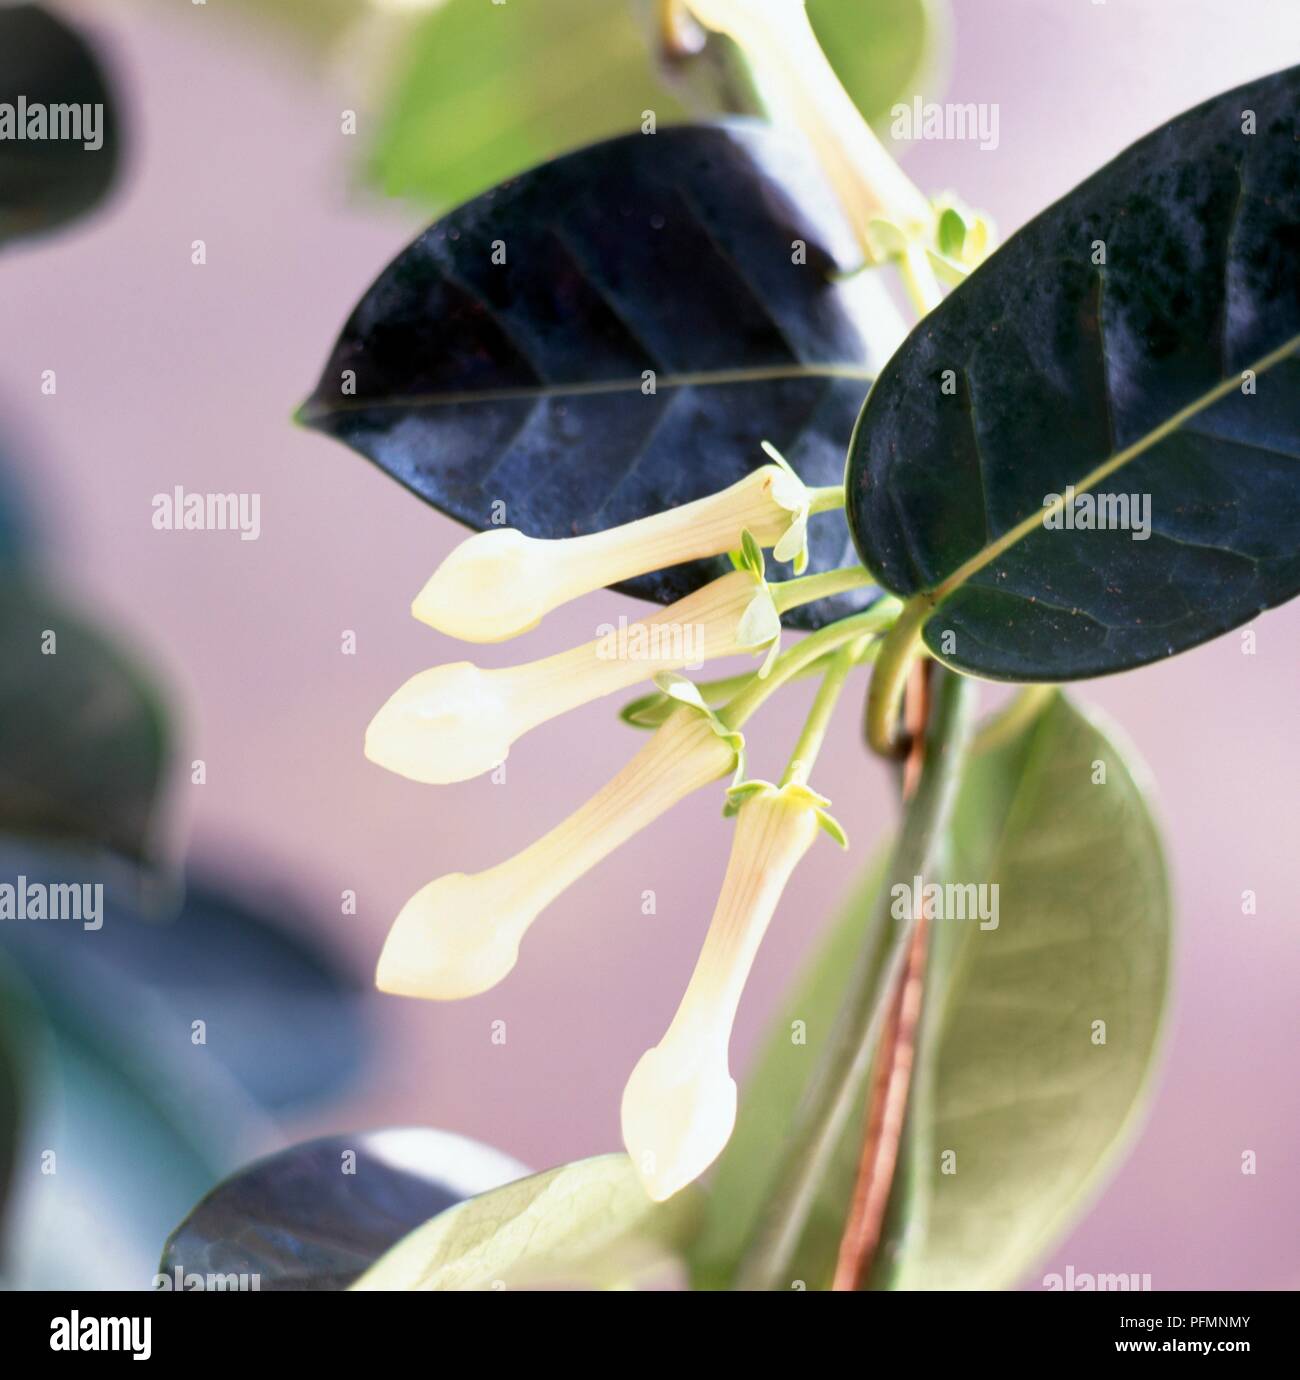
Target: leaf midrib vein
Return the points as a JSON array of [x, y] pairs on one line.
[[1103, 471], [703, 379]]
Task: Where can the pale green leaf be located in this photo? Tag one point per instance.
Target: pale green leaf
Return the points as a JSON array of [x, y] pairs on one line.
[[1034, 1109], [585, 1222], [884, 51], [1014, 1080], [487, 90], [484, 91]]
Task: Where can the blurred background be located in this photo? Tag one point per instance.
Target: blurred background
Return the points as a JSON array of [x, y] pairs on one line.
[[235, 131]]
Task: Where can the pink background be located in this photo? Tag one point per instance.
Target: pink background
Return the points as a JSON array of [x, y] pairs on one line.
[[173, 374]]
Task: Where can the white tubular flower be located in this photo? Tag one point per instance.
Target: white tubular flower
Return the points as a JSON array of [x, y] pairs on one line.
[[455, 722], [797, 80], [679, 1105], [500, 583], [460, 935]]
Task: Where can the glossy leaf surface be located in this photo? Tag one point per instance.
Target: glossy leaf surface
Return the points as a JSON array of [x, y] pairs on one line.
[[1135, 340], [613, 334]]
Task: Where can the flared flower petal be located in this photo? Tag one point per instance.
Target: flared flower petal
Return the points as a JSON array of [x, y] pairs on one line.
[[679, 1105], [500, 583], [457, 721], [460, 935]]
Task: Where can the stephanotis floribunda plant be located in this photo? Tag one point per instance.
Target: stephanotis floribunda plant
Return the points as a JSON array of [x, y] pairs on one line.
[[669, 363], [460, 934]]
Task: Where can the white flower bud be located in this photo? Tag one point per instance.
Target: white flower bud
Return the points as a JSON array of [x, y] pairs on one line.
[[500, 583], [460, 935]]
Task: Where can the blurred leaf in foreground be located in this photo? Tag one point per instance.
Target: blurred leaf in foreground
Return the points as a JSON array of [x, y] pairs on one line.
[[83, 738], [314, 1216]]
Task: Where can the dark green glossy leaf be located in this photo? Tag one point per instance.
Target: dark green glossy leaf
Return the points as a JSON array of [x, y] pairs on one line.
[[521, 382], [1061, 366], [82, 738], [46, 181], [1042, 1021], [316, 1215]]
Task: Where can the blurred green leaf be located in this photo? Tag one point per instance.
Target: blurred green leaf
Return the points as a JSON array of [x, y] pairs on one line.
[[489, 90], [882, 50], [83, 742], [485, 91], [1012, 1078], [590, 1220], [320, 22]]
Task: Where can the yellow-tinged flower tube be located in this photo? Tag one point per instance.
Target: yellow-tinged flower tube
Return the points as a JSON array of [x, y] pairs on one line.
[[455, 722], [460, 935], [679, 1105], [500, 583], [796, 78]]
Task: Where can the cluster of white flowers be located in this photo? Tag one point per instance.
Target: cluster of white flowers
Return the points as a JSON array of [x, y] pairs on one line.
[[460, 934]]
